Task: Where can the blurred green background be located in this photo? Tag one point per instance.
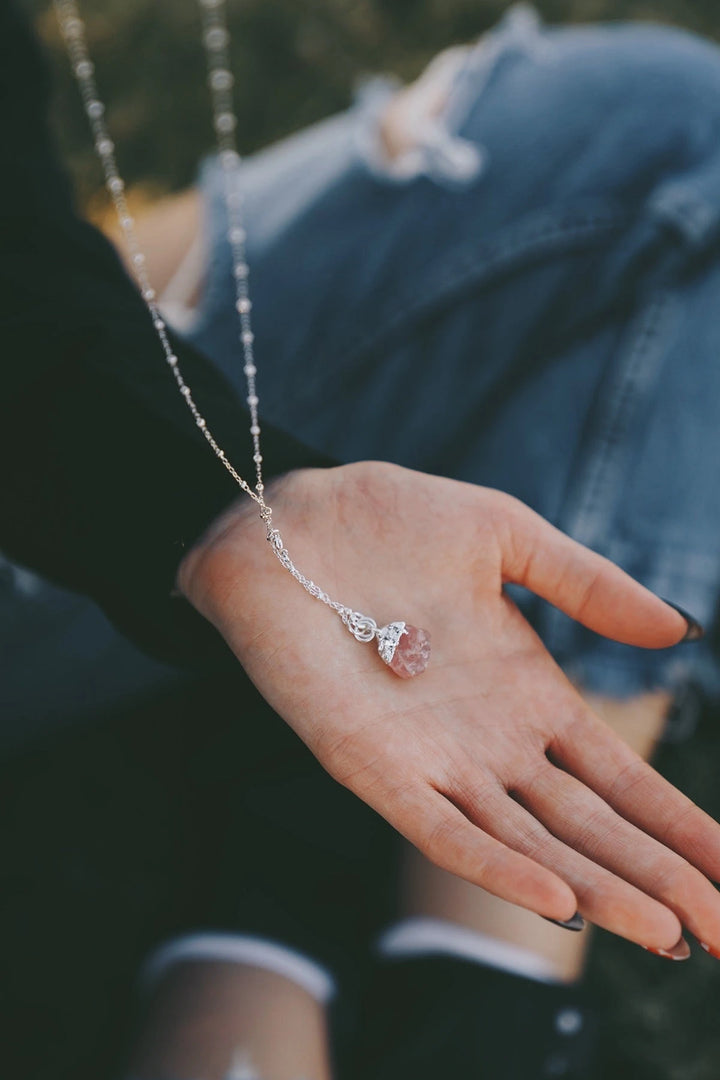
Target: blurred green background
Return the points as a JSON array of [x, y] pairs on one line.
[[297, 61]]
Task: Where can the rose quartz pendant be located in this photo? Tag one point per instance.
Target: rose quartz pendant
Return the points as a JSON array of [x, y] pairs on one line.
[[404, 648]]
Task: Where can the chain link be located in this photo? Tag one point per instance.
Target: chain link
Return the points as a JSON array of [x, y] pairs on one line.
[[216, 40]]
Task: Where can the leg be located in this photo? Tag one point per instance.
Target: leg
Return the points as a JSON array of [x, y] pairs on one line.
[[485, 985], [167, 231], [561, 394], [295, 886], [427, 891], [639, 710], [203, 1015]]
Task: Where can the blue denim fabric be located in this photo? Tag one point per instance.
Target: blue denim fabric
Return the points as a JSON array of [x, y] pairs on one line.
[[544, 320]]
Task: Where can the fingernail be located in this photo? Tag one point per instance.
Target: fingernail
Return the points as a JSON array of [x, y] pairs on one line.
[[576, 923], [681, 951], [708, 949], [694, 630]]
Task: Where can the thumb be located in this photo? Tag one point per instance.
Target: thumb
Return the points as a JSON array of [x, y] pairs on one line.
[[587, 586]]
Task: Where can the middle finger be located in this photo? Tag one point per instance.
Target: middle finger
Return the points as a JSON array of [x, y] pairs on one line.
[[604, 898]]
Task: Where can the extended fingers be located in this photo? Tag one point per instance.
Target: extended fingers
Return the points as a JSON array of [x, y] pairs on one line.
[[585, 822], [604, 898], [594, 754], [450, 840]]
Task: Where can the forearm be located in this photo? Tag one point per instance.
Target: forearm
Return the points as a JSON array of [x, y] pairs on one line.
[[200, 577], [106, 489], [105, 478]]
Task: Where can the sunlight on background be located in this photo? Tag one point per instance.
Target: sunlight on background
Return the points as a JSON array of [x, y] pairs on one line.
[[295, 62]]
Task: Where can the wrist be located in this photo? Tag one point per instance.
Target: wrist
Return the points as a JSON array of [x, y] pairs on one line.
[[201, 574], [229, 572]]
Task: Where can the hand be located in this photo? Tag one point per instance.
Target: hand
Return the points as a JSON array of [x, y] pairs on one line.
[[489, 762]]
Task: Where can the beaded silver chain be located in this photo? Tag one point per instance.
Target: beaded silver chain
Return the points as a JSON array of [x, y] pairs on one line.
[[413, 656]]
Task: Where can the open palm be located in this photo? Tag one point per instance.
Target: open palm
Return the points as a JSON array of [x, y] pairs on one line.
[[490, 762]]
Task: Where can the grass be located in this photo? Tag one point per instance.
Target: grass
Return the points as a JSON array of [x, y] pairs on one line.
[[295, 61]]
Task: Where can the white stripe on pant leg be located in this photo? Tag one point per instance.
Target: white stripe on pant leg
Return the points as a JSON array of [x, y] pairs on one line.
[[241, 949], [440, 937]]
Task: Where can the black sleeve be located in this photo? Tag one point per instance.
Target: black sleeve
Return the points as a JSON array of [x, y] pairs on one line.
[[105, 479]]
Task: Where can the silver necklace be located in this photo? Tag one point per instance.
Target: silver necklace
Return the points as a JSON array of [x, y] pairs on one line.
[[403, 647]]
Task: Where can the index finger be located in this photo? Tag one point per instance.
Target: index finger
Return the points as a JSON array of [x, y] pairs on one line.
[[446, 836]]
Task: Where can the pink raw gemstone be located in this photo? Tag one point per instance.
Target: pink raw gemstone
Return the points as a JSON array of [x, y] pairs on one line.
[[412, 653]]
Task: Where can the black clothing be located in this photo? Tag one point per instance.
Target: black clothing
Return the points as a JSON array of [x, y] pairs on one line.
[[434, 1016], [105, 479]]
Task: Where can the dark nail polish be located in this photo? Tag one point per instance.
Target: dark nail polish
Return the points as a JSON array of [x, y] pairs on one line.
[[694, 630], [681, 951], [576, 923]]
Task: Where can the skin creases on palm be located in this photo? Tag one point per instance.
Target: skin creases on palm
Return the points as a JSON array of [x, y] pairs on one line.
[[489, 762]]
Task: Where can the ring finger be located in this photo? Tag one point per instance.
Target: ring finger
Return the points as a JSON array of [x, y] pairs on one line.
[[604, 898]]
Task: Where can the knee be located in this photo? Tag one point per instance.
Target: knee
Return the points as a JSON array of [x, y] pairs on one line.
[[605, 110], [649, 88]]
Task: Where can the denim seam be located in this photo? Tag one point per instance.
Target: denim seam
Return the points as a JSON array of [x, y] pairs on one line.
[[635, 375], [589, 506], [468, 267]]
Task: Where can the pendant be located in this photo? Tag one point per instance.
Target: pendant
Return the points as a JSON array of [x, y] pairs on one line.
[[403, 647]]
